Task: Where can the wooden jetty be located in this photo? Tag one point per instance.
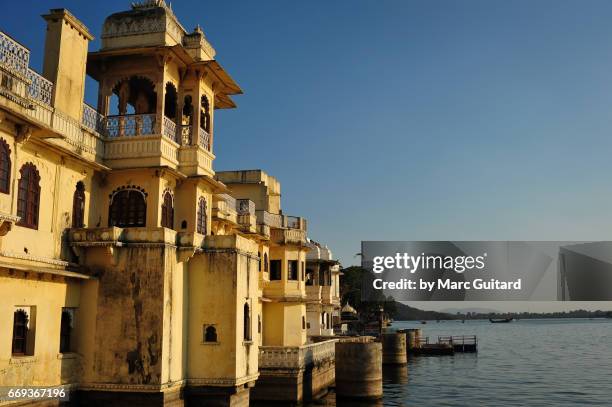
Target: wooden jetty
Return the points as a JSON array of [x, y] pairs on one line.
[[461, 343], [446, 345]]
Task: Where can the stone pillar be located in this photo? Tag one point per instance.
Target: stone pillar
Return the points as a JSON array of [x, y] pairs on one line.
[[394, 348], [359, 370]]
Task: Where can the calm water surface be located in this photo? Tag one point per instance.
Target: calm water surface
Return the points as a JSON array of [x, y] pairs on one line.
[[523, 363]]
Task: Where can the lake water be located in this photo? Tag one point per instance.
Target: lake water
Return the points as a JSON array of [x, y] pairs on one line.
[[557, 362]]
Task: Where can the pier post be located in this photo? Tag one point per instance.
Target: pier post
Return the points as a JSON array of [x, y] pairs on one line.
[[394, 348], [359, 370], [413, 338]]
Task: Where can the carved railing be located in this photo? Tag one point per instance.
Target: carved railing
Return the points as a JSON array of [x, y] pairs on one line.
[[40, 89], [130, 125], [297, 357], [292, 222], [169, 130], [204, 139], [92, 119], [280, 221], [245, 206], [14, 56], [186, 135], [270, 219], [288, 236], [230, 201]]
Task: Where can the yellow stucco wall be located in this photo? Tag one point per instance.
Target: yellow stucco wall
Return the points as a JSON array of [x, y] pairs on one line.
[[221, 280], [47, 295]]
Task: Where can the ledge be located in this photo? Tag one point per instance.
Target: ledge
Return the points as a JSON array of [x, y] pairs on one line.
[[6, 222], [22, 360]]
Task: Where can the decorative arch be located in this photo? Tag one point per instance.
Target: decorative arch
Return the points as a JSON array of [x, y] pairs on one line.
[[205, 113], [28, 196], [170, 101], [128, 207], [5, 167], [167, 209], [20, 332], [137, 91]]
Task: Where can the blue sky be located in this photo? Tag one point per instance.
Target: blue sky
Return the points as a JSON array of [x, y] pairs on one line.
[[409, 120]]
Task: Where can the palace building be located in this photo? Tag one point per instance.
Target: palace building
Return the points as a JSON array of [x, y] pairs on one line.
[[130, 272]]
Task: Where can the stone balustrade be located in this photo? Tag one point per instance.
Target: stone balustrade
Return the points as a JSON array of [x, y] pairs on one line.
[[313, 293], [288, 236], [39, 88], [296, 357], [14, 56]]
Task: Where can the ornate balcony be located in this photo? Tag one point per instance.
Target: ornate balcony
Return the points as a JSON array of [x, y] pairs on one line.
[[224, 208], [14, 56], [288, 236], [246, 215], [275, 220]]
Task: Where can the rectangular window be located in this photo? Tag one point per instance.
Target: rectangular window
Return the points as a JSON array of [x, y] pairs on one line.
[[292, 270], [67, 330], [275, 269]]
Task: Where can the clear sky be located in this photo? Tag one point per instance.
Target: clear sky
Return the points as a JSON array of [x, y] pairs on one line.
[[409, 120]]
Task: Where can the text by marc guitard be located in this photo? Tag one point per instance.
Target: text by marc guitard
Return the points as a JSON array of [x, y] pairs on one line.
[[413, 264]]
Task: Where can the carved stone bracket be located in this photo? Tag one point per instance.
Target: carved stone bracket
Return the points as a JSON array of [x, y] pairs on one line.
[[24, 132], [6, 222]]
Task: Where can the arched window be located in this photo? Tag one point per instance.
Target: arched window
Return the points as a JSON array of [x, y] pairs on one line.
[[258, 323], [205, 114], [260, 261], [247, 322], [78, 206], [128, 208], [28, 197], [187, 110], [5, 167], [135, 95], [266, 262], [170, 101], [201, 216], [65, 331], [210, 334], [167, 220], [303, 322], [20, 332]]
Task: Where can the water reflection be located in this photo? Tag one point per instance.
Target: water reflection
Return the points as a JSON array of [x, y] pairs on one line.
[[395, 374]]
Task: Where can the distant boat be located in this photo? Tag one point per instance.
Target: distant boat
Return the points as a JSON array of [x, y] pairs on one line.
[[500, 321], [423, 322]]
